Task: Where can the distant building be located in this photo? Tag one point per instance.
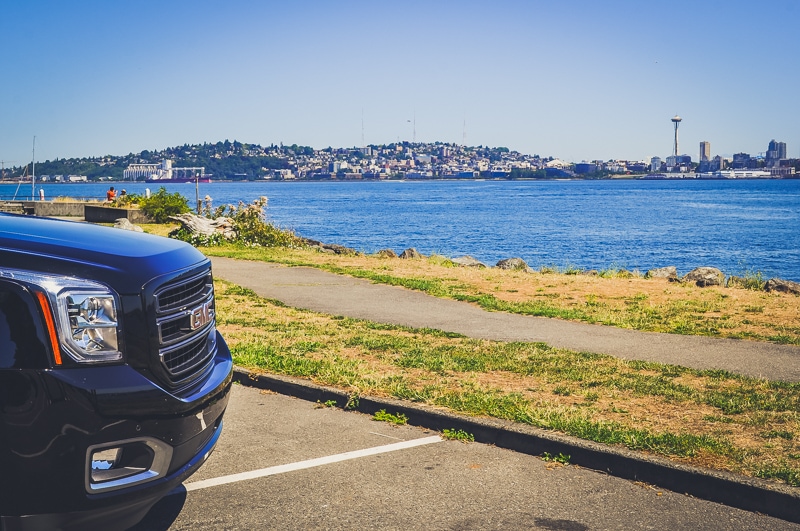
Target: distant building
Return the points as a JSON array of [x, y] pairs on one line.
[[338, 165], [741, 161], [715, 164], [638, 167], [655, 164], [775, 153], [586, 167], [705, 151]]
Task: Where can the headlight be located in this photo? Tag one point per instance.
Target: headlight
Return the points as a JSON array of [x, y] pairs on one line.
[[84, 312], [88, 324]]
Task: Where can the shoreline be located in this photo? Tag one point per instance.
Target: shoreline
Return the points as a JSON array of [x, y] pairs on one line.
[[632, 177]]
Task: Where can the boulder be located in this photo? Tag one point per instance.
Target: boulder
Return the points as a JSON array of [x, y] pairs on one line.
[[124, 224], [468, 261], [386, 253], [338, 249], [783, 286], [705, 276], [513, 264], [310, 242], [330, 248], [669, 272], [411, 254]]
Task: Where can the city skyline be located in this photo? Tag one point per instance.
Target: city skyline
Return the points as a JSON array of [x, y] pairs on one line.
[[573, 80]]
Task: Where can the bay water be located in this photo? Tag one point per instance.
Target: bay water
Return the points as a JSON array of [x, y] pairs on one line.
[[739, 226]]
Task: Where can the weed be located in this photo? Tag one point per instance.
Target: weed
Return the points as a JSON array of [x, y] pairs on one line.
[[458, 435], [327, 403], [560, 458], [398, 419], [749, 278], [352, 401]]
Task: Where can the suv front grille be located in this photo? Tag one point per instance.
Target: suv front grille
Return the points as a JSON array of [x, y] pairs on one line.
[[186, 328], [176, 296]]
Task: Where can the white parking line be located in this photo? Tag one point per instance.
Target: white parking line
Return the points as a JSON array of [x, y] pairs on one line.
[[311, 463]]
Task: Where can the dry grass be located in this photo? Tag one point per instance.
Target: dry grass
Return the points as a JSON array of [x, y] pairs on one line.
[[708, 419]]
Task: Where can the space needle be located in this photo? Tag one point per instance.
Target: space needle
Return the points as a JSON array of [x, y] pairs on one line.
[[676, 120]]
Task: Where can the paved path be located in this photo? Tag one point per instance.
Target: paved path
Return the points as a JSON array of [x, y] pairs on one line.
[[317, 290]]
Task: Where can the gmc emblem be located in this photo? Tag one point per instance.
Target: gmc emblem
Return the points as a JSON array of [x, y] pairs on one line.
[[201, 316]]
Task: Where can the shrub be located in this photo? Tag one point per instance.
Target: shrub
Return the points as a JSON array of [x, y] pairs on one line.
[[161, 205], [250, 225]]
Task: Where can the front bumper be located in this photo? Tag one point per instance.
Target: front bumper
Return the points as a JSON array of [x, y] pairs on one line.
[[74, 417]]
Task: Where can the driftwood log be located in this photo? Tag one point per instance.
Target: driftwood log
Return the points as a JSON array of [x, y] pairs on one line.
[[205, 226]]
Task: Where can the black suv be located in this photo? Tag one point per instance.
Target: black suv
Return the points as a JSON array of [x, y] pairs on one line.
[[113, 377]]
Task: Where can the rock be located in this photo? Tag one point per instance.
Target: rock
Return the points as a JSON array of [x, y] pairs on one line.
[[411, 254], [386, 253], [205, 226], [338, 249], [669, 272], [330, 248], [514, 264], [125, 224], [705, 276], [468, 261], [783, 286], [311, 243]]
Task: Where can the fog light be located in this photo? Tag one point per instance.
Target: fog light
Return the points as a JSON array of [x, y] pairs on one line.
[[126, 463]]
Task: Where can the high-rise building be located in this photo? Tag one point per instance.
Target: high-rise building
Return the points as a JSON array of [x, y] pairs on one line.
[[705, 151], [775, 153]]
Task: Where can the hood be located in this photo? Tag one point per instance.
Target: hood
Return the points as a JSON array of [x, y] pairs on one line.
[[125, 260]]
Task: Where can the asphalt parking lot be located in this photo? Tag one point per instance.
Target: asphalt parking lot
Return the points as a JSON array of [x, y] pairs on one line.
[[285, 463]]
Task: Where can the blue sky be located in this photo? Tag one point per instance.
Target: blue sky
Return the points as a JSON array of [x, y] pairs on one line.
[[574, 79]]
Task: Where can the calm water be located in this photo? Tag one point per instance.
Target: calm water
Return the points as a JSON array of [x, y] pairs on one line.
[[733, 225]]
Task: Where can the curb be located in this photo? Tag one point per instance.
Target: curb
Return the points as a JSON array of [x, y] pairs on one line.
[[750, 494]]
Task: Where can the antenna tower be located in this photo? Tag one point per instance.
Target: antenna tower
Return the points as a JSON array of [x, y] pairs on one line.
[[676, 120]]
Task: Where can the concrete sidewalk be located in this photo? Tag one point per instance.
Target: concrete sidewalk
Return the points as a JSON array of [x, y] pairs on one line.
[[320, 291]]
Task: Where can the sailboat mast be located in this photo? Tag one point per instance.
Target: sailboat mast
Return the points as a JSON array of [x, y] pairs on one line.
[[33, 170]]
